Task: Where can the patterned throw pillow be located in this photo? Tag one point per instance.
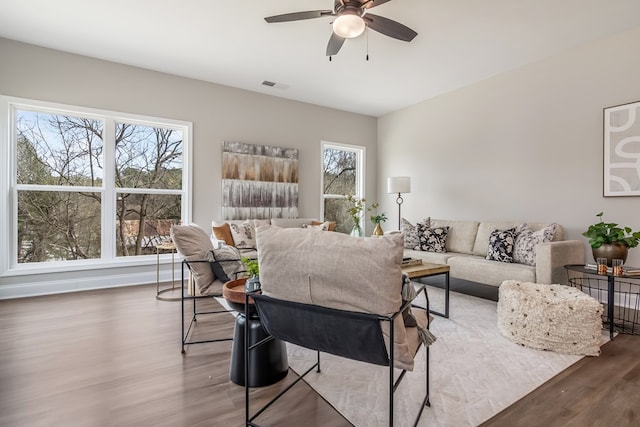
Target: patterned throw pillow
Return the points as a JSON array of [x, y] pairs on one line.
[[524, 251], [501, 243], [225, 263], [244, 235], [432, 239], [410, 232]]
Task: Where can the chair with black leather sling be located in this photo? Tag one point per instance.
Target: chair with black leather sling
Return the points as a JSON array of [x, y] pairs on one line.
[[341, 295], [204, 272]]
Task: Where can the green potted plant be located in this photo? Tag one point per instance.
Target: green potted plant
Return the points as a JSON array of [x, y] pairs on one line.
[[377, 219], [252, 272], [609, 241]]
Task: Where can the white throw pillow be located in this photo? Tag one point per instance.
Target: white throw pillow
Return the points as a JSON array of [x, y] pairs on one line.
[[244, 234], [324, 226], [524, 250], [194, 244], [410, 232]]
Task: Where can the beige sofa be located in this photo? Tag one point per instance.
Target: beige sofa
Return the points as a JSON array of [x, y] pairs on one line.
[[466, 248]]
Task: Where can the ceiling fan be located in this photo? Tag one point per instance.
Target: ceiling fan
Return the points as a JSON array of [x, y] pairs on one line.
[[351, 19]]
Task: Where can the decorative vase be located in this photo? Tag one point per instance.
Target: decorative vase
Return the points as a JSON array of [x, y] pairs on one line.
[[356, 232], [611, 251], [252, 284], [378, 230]]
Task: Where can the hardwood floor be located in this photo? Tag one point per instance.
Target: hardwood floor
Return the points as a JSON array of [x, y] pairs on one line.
[[112, 358]]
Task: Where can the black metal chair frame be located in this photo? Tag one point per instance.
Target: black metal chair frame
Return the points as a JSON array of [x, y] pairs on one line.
[[331, 331], [186, 331]]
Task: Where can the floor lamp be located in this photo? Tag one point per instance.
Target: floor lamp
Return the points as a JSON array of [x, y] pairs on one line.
[[399, 185]]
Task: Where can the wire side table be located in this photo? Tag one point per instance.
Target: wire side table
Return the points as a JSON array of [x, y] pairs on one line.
[[621, 294], [164, 247]]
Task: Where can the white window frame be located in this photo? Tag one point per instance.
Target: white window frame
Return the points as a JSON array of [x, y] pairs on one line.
[[9, 187], [361, 152]]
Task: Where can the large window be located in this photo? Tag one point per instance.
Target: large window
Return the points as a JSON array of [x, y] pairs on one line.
[[91, 185], [342, 174]]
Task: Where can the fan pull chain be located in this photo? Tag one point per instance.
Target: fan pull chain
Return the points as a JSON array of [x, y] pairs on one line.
[[329, 58], [367, 42]]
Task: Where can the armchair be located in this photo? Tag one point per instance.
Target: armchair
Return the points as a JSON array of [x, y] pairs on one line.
[[342, 295]]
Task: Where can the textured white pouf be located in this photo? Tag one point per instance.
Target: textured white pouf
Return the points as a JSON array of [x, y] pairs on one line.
[[550, 317]]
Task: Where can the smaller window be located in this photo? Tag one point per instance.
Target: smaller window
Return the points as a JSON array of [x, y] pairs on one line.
[[342, 174]]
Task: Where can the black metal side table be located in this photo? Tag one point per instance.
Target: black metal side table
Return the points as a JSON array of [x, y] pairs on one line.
[[270, 364], [627, 296]]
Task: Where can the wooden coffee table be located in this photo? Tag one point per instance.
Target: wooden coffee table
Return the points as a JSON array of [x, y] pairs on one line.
[[427, 269]]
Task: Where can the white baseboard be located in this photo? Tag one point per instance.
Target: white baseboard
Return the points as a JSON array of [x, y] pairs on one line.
[[85, 283]]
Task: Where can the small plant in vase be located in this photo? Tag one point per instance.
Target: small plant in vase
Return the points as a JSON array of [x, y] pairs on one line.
[[252, 273], [609, 241], [355, 210], [377, 219]]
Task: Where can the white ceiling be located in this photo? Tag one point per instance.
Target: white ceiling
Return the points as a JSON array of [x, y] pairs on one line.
[[459, 42]]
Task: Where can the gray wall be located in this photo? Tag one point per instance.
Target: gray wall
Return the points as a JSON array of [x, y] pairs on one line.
[[218, 113], [525, 145]]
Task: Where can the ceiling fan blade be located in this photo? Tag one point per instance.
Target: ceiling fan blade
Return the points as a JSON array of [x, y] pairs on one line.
[[368, 4], [334, 45], [389, 27], [298, 16]]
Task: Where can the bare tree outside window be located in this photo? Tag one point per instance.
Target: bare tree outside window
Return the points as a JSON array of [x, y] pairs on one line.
[[60, 179], [146, 158], [339, 177], [60, 156]]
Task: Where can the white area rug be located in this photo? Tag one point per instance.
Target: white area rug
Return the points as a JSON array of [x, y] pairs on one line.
[[475, 372]]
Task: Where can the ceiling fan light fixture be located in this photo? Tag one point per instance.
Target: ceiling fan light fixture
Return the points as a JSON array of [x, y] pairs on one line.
[[348, 25]]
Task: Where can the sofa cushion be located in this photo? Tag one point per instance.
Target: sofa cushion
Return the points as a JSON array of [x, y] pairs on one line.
[[432, 239], [193, 243], [527, 241], [462, 234], [501, 244], [433, 257], [338, 271], [410, 232], [478, 269]]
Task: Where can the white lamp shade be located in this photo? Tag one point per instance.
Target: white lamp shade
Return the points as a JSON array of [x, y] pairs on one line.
[[399, 184], [348, 25]]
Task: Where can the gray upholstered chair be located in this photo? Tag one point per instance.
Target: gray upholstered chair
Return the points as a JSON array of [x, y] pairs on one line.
[[338, 294]]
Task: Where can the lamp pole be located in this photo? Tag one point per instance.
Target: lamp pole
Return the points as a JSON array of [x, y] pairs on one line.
[[399, 201], [399, 185]]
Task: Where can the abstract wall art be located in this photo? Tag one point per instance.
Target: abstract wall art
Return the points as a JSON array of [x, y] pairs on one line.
[[622, 150], [259, 181]]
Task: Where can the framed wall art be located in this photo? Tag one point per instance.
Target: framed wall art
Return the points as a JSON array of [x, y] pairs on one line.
[[259, 181], [622, 150]]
